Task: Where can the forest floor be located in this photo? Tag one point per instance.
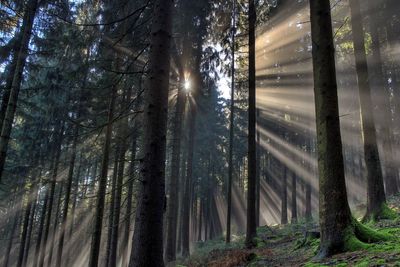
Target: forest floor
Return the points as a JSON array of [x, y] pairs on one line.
[[287, 246]]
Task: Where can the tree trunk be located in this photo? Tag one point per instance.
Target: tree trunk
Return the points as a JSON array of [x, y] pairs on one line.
[[231, 130], [308, 202], [147, 245], [118, 196], [25, 229], [41, 226], [172, 211], [294, 197], [188, 181], [112, 205], [129, 198], [71, 166], [30, 229], [101, 193], [258, 182], [377, 77], [252, 166], [57, 154], [74, 194], [376, 198], [284, 217], [334, 211], [67, 196], [55, 226], [26, 30], [11, 239]]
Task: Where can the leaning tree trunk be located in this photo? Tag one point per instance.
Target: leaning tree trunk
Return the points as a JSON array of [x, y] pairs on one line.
[[252, 166], [376, 198], [147, 245], [26, 30], [334, 211]]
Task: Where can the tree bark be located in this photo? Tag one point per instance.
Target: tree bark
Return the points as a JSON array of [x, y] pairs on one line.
[[57, 154], [40, 229], [11, 239], [118, 195], [129, 198], [71, 166], [252, 166], [55, 226], [147, 245], [101, 193], [376, 198], [294, 197], [377, 77], [231, 129], [172, 211], [30, 229], [258, 182], [188, 181], [284, 216], [334, 211], [112, 205], [25, 228]]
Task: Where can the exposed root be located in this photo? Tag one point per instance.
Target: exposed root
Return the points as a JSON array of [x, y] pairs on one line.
[[356, 237]]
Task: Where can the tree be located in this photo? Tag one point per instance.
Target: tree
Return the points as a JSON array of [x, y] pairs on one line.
[[26, 29], [147, 244], [95, 245], [252, 150], [172, 211], [231, 129], [338, 228], [334, 214], [377, 78], [376, 198]]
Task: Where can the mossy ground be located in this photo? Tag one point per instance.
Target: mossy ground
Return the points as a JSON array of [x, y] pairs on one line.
[[287, 246]]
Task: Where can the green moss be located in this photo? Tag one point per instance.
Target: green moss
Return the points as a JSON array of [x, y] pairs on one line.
[[388, 213], [364, 263], [367, 234], [352, 243], [314, 264], [393, 232], [380, 261], [385, 213], [358, 236], [259, 242]]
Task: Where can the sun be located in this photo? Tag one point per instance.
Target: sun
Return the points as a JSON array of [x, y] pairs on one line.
[[187, 85]]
